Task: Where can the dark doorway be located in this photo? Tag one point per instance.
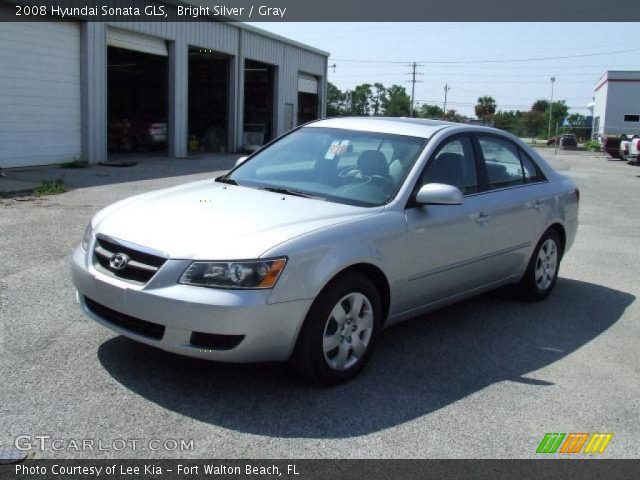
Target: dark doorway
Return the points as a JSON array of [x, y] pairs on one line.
[[208, 100], [258, 104], [307, 107], [137, 101]]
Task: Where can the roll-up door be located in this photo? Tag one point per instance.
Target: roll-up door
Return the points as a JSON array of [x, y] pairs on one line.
[[39, 93], [307, 84], [136, 41]]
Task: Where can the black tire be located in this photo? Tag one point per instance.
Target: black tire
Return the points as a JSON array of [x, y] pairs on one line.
[[308, 360], [528, 288]]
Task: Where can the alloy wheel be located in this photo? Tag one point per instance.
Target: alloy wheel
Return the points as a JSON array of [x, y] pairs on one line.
[[348, 331], [546, 264]]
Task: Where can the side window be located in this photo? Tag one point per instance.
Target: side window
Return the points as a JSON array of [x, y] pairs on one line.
[[531, 171], [502, 162], [454, 164]]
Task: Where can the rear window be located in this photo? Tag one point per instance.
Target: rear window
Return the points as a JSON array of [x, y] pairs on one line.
[[502, 162], [508, 165]]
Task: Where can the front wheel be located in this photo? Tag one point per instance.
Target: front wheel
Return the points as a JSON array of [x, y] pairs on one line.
[[338, 335], [542, 271]]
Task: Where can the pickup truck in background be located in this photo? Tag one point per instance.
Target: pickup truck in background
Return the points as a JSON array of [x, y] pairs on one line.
[[630, 149], [611, 145]]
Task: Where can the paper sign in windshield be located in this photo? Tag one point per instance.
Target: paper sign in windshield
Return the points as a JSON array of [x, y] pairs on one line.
[[337, 147]]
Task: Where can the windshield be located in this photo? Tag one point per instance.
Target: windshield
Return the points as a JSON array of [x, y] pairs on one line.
[[345, 166]]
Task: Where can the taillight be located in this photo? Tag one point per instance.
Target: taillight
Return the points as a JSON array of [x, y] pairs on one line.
[[577, 195]]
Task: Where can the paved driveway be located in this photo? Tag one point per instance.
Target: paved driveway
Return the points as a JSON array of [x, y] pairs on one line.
[[484, 378]]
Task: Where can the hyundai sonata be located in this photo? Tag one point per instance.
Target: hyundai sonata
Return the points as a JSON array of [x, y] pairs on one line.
[[309, 247]]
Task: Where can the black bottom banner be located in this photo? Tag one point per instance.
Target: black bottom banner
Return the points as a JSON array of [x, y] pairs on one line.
[[322, 469]]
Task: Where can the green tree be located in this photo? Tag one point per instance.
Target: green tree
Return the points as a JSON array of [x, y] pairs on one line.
[[453, 116], [396, 102], [335, 101], [430, 111], [510, 121], [485, 108], [361, 97], [540, 106], [559, 112], [377, 98], [534, 123]]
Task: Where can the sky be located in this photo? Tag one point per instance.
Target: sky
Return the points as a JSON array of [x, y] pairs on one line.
[[509, 61]]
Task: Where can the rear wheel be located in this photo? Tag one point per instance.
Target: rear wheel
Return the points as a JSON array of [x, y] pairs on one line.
[[337, 337], [542, 271]]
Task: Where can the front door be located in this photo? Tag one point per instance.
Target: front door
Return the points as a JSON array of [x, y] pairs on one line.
[[450, 247]]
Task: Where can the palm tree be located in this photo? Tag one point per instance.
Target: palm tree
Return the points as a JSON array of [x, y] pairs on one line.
[[485, 108]]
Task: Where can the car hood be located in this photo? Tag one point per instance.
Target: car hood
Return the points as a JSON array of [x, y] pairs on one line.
[[215, 221]]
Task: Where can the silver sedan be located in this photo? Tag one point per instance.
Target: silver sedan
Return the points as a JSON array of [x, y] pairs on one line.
[[310, 246]]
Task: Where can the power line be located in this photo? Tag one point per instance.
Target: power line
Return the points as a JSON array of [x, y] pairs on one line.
[[510, 60], [471, 104]]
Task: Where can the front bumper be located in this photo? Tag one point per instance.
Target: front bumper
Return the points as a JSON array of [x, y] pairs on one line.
[[268, 331]]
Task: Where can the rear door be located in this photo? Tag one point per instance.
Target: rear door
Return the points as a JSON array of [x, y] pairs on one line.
[[515, 205]]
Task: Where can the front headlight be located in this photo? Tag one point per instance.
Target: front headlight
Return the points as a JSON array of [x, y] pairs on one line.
[[243, 274], [86, 240]]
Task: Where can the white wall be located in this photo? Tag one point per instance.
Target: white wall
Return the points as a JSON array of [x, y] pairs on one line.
[[623, 98]]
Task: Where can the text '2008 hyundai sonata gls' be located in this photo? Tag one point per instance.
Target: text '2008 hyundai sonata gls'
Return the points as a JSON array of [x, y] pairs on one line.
[[307, 249]]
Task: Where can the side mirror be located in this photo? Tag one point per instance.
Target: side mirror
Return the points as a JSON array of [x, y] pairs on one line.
[[439, 194], [240, 161]]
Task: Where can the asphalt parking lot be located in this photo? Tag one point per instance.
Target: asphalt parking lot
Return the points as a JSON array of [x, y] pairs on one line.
[[484, 378]]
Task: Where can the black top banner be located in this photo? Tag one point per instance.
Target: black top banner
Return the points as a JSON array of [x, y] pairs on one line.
[[324, 11]]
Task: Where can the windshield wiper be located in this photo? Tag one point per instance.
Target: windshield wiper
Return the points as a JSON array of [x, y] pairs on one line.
[[224, 179], [296, 193]]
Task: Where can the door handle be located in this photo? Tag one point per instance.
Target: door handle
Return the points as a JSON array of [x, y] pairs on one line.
[[482, 218], [538, 204]]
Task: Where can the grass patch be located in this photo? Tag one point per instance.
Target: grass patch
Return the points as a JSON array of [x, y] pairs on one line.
[[75, 164], [50, 187]]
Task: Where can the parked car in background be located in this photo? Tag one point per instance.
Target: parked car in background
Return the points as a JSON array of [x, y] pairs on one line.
[[633, 153], [623, 150], [136, 135], [308, 248], [568, 140], [564, 140], [611, 145]]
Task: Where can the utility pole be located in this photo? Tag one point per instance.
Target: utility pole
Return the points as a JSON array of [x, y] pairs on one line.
[[553, 80], [446, 90], [414, 71]]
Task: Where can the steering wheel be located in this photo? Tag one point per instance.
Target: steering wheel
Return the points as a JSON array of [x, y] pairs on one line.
[[349, 172], [384, 180]]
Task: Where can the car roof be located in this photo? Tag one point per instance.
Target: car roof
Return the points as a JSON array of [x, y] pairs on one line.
[[414, 127]]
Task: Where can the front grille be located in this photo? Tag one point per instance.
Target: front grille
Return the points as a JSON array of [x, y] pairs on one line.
[[126, 322], [140, 268], [212, 341]]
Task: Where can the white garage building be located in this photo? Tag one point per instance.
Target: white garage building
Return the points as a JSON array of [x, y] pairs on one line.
[[616, 106], [86, 90]]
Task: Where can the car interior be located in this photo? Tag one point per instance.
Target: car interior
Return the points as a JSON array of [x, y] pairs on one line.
[[361, 170]]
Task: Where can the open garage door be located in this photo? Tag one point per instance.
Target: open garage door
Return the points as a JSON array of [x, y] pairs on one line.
[[259, 84], [39, 93], [307, 98], [208, 100], [137, 93]]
